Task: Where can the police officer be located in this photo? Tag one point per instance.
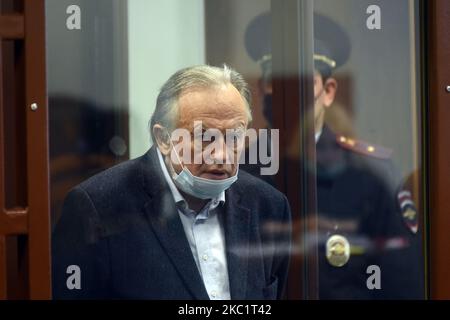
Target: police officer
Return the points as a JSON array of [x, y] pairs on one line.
[[369, 241]]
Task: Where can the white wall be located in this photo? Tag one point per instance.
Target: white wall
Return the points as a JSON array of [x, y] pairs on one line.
[[164, 36]]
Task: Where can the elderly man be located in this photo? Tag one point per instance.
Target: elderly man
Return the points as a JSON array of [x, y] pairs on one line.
[[180, 222]]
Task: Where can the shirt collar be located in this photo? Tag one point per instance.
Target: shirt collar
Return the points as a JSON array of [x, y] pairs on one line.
[[317, 136], [177, 197]]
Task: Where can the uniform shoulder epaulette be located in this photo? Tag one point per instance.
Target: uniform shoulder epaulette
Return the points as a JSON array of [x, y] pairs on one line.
[[362, 147]]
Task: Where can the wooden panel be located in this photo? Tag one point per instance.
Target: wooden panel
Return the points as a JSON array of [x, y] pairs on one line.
[[17, 267], [13, 181], [12, 27], [14, 222], [292, 104], [439, 147], [3, 284], [37, 151], [2, 139], [3, 287]]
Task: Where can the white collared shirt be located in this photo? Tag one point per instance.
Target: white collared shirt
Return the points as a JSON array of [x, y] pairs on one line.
[[206, 238], [317, 135]]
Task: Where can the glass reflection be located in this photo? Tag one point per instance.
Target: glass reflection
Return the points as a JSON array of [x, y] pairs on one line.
[[366, 118], [369, 220]]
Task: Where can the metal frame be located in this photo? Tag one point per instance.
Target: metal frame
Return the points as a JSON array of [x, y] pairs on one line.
[[296, 89]]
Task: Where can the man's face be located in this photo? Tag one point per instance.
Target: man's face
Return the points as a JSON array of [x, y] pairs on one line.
[[219, 108], [324, 94]]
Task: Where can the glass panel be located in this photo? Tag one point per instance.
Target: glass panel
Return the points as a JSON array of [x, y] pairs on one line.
[[357, 201], [107, 61], [368, 131], [87, 91]]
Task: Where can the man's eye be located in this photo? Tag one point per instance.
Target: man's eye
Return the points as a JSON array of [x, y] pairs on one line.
[[199, 136], [234, 138]]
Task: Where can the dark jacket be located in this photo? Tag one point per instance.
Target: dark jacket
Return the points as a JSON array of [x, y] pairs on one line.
[[357, 198], [122, 229]]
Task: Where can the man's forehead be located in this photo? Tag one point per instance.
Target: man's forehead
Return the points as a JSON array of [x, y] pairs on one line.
[[317, 73], [225, 124], [215, 107], [203, 97], [207, 124]]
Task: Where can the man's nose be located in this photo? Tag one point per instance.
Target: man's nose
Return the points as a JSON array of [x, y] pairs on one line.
[[220, 153]]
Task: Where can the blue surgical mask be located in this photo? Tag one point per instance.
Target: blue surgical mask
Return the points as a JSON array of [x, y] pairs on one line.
[[198, 187]]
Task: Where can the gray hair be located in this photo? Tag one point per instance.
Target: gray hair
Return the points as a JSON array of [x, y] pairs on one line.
[[166, 110]]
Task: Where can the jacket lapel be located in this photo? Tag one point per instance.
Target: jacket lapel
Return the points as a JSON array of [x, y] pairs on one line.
[[237, 228], [163, 216]]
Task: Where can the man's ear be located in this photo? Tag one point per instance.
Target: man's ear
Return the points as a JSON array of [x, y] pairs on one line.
[[162, 139], [330, 89]]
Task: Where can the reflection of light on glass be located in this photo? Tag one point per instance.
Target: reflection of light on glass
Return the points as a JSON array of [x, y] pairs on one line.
[[117, 146]]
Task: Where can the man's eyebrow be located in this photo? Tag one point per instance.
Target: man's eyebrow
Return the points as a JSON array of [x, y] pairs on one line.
[[239, 125]]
